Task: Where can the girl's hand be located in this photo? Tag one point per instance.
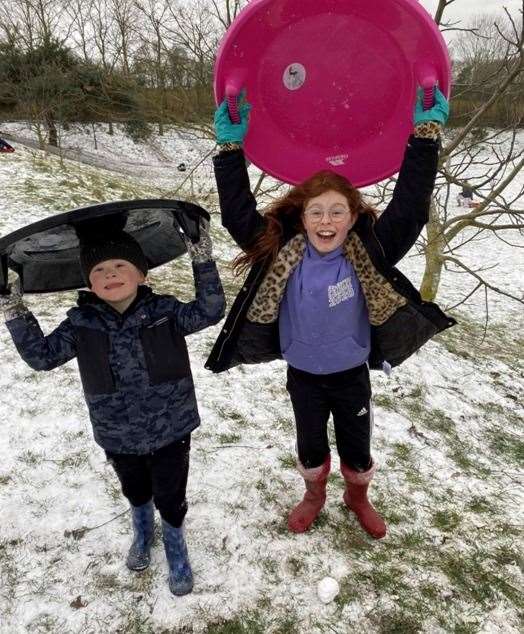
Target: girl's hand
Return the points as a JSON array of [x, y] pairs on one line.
[[225, 130], [439, 113]]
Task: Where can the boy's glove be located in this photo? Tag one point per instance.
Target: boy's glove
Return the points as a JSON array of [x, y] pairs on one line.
[[11, 304], [200, 251], [225, 130], [439, 112]]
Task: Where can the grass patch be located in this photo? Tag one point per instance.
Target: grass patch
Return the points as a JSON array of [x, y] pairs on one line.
[[479, 504], [247, 623], [107, 581], [74, 460], [505, 444], [46, 622], [385, 401], [295, 565], [271, 489], [438, 421], [446, 520], [506, 555], [233, 416], [270, 567], [402, 452], [288, 461], [30, 458], [468, 340], [396, 622], [229, 439], [477, 579], [412, 540]]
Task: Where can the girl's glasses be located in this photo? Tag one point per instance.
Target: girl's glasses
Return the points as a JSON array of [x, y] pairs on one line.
[[335, 214]]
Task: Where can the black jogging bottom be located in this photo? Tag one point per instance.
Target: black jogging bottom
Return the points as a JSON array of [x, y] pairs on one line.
[[346, 395]]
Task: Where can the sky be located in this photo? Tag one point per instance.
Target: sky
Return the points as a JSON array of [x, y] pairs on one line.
[[466, 9]]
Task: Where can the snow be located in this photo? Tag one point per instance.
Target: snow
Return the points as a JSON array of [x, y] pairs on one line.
[[327, 589], [447, 425]]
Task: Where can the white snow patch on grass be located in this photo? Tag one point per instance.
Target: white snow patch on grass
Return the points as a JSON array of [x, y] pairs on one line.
[[448, 437]]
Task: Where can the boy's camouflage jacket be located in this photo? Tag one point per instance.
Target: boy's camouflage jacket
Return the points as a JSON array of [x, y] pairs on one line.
[[134, 367]]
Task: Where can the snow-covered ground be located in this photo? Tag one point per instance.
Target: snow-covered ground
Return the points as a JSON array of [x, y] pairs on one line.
[[448, 437]]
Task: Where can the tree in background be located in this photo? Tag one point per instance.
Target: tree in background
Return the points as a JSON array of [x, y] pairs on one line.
[[45, 78], [142, 61], [490, 159]]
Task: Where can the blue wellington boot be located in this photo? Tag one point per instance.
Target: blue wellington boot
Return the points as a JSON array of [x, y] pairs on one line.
[[139, 555], [180, 574]]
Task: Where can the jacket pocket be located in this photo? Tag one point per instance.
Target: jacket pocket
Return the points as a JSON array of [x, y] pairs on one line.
[[165, 352], [93, 361], [257, 343], [403, 334]]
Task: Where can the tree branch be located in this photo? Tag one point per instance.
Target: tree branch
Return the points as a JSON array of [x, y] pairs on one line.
[[495, 289]]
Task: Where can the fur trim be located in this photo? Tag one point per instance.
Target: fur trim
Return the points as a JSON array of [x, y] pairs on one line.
[[381, 298], [317, 473], [265, 305], [358, 477], [428, 130]]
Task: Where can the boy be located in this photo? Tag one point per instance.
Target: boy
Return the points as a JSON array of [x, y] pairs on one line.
[[136, 376]]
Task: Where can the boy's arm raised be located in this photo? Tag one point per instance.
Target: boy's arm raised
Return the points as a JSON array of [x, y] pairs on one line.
[[209, 306], [38, 351]]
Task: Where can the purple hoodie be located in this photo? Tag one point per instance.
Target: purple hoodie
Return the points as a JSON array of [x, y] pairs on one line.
[[323, 321]]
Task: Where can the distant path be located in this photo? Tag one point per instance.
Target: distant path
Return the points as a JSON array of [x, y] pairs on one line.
[[82, 156]]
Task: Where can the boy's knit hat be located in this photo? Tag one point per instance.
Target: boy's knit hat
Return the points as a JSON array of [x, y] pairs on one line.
[[119, 246]]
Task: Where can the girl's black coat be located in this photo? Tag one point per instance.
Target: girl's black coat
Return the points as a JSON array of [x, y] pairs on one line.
[[386, 241]]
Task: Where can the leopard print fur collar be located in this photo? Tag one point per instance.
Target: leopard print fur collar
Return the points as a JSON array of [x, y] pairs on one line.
[[381, 298]]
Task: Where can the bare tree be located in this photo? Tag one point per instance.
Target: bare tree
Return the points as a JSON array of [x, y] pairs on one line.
[[155, 15], [489, 160], [34, 22], [38, 27], [194, 28], [125, 18], [225, 11], [80, 14]]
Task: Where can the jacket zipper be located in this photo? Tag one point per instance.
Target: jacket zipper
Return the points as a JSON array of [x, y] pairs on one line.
[[378, 241]]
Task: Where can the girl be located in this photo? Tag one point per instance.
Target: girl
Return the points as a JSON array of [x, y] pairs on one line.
[[322, 293]]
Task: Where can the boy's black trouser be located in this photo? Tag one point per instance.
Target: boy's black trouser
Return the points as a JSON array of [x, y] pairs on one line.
[[347, 396], [161, 475]]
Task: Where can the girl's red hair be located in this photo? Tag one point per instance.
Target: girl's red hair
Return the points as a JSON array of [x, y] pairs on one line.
[[288, 210]]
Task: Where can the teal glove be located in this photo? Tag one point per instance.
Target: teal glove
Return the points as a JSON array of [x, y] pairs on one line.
[[439, 112], [225, 130]]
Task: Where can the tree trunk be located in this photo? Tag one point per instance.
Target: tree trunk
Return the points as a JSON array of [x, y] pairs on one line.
[[110, 130], [52, 131], [434, 262], [38, 128]]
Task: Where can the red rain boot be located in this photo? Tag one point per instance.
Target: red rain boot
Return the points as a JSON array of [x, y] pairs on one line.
[[356, 499], [306, 512]]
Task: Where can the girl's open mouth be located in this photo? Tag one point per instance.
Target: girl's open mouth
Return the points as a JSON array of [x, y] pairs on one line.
[[326, 236]]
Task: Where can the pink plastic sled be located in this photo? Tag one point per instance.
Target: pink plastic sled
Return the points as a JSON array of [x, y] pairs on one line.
[[332, 83]]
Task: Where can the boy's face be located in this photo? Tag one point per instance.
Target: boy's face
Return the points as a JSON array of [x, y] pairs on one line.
[[116, 282]]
